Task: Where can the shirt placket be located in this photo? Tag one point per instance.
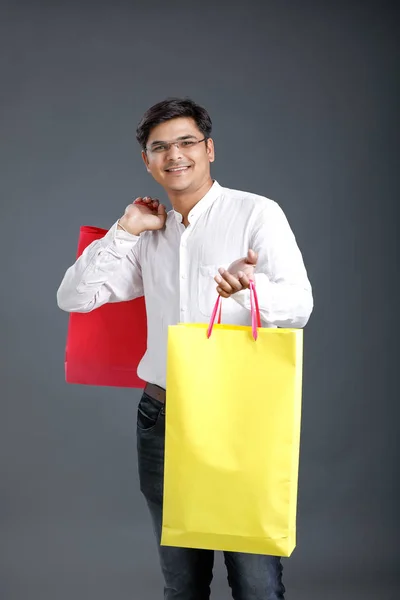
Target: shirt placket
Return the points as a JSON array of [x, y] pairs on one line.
[[184, 276]]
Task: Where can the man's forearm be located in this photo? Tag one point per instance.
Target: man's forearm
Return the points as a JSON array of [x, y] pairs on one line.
[[281, 304], [103, 273]]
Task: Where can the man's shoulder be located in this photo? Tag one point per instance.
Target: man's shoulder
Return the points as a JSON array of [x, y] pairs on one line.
[[249, 199]]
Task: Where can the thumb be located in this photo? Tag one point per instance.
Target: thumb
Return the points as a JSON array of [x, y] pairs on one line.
[[162, 214], [161, 210], [251, 258]]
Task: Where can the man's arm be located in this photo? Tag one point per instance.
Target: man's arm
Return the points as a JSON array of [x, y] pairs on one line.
[[283, 289], [108, 270]]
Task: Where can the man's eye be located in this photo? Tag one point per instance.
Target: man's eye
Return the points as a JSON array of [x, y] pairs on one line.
[[188, 143], [158, 148]]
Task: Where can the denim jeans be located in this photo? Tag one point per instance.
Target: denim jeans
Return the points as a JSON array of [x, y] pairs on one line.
[[188, 572]]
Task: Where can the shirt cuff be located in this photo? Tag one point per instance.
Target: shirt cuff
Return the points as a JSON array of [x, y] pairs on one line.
[[114, 234], [263, 289], [242, 298], [119, 240]]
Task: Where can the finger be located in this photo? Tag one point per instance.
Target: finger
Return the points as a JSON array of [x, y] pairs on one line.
[[223, 285], [230, 280], [222, 293], [146, 200], [152, 204], [140, 202], [161, 210], [252, 257], [244, 280], [228, 287]]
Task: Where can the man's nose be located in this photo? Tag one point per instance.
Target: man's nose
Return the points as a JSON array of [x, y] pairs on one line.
[[174, 152]]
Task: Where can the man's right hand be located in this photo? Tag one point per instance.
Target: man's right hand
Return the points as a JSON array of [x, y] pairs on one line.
[[144, 214]]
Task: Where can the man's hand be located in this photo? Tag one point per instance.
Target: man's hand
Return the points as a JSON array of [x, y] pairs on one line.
[[237, 276], [144, 214]]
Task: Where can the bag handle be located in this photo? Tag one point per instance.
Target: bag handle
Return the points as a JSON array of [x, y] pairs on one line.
[[254, 307]]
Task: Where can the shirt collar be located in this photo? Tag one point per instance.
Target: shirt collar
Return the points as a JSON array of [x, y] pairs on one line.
[[202, 205]]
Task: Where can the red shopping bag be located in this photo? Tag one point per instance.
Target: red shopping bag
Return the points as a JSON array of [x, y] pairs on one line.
[[105, 346]]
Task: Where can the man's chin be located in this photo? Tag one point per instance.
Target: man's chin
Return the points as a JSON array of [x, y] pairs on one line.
[[179, 186]]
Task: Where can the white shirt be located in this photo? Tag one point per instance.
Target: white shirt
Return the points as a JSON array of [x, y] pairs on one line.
[[174, 269]]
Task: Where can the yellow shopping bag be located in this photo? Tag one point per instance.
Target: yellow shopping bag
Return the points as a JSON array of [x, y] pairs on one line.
[[233, 415]]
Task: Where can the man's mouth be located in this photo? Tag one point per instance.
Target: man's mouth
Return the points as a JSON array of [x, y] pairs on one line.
[[178, 169]]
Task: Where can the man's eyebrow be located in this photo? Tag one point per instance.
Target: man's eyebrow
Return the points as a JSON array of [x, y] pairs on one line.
[[181, 138]]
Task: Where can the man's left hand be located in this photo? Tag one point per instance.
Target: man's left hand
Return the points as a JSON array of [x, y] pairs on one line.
[[237, 276]]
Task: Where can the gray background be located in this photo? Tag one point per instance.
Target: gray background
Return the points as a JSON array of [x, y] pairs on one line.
[[304, 104]]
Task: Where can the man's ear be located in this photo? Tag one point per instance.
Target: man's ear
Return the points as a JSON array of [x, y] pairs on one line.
[[145, 160], [210, 150]]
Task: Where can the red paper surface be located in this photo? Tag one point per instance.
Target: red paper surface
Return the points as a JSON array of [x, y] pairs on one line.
[[105, 346]]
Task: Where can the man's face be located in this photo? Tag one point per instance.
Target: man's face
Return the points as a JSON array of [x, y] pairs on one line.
[[178, 168]]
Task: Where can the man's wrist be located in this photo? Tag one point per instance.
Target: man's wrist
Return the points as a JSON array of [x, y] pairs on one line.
[[122, 227]]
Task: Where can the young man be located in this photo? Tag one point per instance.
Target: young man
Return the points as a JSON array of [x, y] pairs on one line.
[[213, 241]]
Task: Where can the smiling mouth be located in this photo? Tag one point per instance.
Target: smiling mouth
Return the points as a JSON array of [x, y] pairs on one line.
[[177, 169]]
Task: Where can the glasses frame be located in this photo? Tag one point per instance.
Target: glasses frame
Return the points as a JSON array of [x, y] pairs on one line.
[[176, 143]]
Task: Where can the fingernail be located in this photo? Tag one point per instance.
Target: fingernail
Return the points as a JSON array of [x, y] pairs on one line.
[[221, 270], [218, 279]]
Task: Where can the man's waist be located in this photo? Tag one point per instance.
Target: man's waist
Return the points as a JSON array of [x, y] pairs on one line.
[[156, 392]]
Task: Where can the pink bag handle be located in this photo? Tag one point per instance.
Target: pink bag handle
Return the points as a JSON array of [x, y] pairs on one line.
[[255, 312]]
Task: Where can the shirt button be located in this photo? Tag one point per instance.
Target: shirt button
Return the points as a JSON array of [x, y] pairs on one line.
[[183, 275]]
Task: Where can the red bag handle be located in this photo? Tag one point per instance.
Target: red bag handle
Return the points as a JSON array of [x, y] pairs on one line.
[[255, 312]]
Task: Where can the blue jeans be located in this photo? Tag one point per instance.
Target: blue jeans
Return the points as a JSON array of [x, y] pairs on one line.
[[188, 572]]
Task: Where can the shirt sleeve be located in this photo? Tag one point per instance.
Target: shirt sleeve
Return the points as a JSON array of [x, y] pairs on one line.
[[283, 288], [108, 270]]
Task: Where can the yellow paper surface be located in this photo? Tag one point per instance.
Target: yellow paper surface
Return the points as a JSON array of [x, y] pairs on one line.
[[233, 416]]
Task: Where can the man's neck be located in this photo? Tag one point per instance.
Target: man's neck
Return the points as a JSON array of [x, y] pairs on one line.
[[183, 202]]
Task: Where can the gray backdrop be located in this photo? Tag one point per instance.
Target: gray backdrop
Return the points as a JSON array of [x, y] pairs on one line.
[[303, 100]]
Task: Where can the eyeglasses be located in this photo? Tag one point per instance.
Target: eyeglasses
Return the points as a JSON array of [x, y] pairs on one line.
[[166, 146]]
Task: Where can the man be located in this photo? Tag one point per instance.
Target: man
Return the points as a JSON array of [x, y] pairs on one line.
[[214, 240]]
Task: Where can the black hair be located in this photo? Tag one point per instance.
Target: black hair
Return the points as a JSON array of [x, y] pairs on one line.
[[171, 108]]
